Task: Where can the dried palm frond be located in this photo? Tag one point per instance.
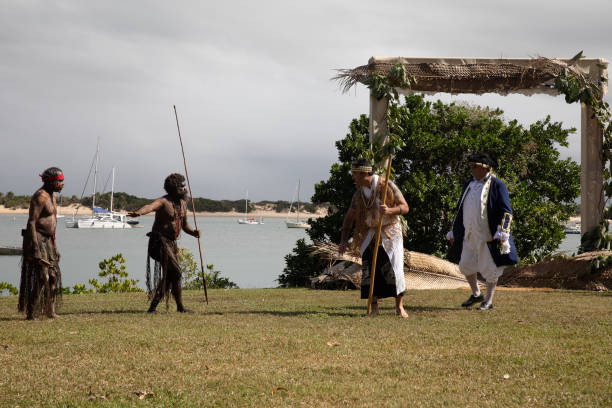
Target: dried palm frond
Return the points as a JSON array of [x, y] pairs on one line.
[[421, 271], [480, 77], [329, 250]]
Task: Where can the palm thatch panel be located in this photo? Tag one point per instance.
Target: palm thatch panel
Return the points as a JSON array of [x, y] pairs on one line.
[[421, 271], [476, 76]]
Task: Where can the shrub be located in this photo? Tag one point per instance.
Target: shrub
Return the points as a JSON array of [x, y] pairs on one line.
[[8, 287], [114, 270], [192, 275], [301, 266]]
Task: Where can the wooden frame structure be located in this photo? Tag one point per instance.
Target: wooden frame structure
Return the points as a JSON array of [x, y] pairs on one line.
[[484, 75]]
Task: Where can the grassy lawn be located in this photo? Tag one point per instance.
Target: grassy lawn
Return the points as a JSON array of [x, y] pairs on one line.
[[285, 347]]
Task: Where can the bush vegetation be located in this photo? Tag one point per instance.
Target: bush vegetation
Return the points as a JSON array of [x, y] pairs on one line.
[[113, 269], [431, 169], [192, 275], [126, 202]]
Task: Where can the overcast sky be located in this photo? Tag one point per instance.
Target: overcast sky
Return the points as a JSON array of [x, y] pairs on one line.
[[250, 79]]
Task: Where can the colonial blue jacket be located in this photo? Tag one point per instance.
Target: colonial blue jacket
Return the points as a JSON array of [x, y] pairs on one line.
[[499, 213]]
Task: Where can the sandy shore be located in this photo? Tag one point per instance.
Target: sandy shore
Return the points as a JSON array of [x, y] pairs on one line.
[[69, 210]]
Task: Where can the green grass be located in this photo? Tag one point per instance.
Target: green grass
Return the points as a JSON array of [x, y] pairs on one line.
[[285, 347]]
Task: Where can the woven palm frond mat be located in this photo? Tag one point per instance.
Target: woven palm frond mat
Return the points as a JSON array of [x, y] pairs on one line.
[[474, 78], [421, 271]]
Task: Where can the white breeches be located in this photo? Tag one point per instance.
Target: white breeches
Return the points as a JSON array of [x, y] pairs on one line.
[[475, 257]]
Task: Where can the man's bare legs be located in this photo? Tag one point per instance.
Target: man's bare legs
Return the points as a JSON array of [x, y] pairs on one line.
[[399, 306], [177, 292], [50, 289]]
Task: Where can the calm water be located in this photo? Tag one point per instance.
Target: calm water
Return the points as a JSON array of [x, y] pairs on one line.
[[252, 256]]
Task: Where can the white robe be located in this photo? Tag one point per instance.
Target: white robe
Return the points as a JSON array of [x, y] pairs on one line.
[[394, 247]]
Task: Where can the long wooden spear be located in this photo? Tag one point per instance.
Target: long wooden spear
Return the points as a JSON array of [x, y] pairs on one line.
[[378, 230], [195, 222]]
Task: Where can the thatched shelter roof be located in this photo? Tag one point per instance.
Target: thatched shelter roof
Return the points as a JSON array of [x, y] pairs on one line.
[[479, 75]]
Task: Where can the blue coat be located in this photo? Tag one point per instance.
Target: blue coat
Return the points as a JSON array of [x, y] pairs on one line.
[[499, 212]]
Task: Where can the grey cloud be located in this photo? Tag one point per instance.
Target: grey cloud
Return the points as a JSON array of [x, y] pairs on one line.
[[251, 81]]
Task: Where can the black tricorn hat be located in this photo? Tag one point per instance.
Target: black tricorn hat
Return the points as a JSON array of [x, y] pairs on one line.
[[482, 158]]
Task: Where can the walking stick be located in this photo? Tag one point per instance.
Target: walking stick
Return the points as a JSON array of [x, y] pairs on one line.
[[195, 222], [378, 230]]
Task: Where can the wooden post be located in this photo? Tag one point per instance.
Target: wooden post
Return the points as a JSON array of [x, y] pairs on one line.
[[591, 173], [377, 239], [378, 118]]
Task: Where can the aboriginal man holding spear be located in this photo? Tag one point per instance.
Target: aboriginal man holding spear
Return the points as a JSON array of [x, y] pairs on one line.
[[170, 219], [375, 210]]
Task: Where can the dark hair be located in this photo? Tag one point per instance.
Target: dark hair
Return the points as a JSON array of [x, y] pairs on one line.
[[50, 173], [172, 182]]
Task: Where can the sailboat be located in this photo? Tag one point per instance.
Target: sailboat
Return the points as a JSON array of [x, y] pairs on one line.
[[297, 223], [249, 220], [102, 218]]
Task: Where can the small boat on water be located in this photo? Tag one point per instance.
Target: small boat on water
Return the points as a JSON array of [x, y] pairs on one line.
[[297, 223], [10, 250], [101, 218], [572, 229], [104, 219], [249, 220]]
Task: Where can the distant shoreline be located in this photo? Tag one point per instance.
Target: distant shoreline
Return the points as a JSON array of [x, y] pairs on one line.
[[69, 210]]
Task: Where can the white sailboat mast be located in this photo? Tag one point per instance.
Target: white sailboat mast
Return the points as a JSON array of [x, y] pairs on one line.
[[112, 191], [93, 197], [298, 205]]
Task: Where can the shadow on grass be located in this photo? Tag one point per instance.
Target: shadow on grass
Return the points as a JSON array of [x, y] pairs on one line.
[[12, 319], [409, 308], [293, 313], [355, 311], [82, 312]]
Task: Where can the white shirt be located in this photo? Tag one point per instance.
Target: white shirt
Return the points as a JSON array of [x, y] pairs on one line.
[[475, 211]]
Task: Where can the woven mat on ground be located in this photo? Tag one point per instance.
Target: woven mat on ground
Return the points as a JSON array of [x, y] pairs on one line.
[[421, 271]]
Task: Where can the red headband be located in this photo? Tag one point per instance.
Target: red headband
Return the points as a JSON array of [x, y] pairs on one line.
[[52, 178]]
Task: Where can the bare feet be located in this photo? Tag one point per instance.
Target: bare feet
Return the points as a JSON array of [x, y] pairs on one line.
[[185, 311], [52, 315], [401, 312]]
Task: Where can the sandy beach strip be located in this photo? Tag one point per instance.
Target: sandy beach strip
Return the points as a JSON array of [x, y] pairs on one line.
[[69, 210]]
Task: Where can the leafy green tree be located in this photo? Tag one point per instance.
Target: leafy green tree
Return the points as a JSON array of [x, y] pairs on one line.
[[431, 170]]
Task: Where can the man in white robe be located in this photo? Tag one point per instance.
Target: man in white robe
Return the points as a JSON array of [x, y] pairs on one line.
[[365, 212]]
